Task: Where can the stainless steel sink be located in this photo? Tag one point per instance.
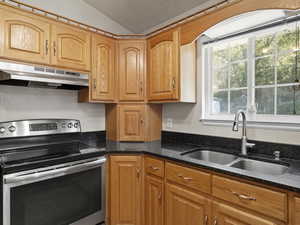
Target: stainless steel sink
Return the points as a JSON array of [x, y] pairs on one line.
[[211, 156], [260, 167]]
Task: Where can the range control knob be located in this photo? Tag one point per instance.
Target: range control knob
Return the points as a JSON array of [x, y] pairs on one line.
[[70, 125], [2, 130], [12, 129], [76, 125]]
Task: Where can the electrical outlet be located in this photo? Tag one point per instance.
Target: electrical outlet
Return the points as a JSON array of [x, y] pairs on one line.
[[169, 123]]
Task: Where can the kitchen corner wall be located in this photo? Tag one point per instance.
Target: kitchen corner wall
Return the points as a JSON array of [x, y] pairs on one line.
[[186, 119], [17, 103]]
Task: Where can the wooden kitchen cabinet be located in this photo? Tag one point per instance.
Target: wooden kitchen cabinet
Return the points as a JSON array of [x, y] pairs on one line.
[[186, 207], [24, 37], [154, 200], [70, 47], [125, 190], [131, 70], [295, 210], [132, 122], [225, 215], [103, 71], [172, 69]]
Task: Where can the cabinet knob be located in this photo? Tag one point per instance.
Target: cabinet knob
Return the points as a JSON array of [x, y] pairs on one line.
[[138, 172], [215, 222], [54, 48], [46, 47], [173, 83], [206, 220], [94, 83]]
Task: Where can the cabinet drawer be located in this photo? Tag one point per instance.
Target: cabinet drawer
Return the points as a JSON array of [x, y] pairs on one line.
[[192, 178], [154, 167], [262, 200]]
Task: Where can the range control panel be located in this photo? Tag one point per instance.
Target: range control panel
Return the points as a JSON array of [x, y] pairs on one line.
[[22, 128]]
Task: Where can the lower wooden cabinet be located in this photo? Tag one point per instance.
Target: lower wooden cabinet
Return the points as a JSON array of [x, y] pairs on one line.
[[154, 201], [295, 211], [184, 207], [227, 215], [125, 190]]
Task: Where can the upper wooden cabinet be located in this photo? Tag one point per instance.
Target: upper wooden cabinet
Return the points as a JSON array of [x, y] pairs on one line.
[[171, 69], [131, 70], [24, 37], [163, 62], [70, 47], [103, 70], [125, 190]]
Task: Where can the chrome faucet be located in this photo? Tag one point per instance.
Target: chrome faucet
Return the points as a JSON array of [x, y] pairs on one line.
[[235, 127]]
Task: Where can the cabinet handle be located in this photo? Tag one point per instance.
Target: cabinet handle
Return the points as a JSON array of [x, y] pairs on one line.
[[153, 168], [54, 48], [141, 87], [185, 178], [173, 83], [215, 221], [94, 83], [160, 196], [47, 47], [138, 173], [206, 220], [243, 197], [142, 121]]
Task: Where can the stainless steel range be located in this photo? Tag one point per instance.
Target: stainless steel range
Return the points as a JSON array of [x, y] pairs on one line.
[[49, 176]]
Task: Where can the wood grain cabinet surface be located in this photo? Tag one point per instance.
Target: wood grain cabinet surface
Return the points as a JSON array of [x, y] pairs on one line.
[[125, 190], [103, 80], [228, 215], [24, 37], [163, 77], [184, 207], [131, 70], [70, 47], [154, 200]]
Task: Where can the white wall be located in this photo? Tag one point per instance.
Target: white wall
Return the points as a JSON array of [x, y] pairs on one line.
[[17, 103], [80, 11], [186, 118]]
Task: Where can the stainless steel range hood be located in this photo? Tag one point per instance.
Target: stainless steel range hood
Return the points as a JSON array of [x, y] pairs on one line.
[[42, 77]]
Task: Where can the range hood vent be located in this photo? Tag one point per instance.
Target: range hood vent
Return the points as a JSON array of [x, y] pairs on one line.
[[41, 77]]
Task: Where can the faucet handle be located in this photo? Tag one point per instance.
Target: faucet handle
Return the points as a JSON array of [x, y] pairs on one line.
[[235, 126], [277, 155]]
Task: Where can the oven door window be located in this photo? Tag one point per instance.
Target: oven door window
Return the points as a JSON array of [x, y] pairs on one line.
[[57, 201]]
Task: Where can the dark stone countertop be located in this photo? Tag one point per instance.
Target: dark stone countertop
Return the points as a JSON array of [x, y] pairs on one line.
[[290, 180]]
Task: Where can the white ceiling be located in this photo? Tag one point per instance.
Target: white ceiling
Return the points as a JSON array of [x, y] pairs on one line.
[[141, 15]]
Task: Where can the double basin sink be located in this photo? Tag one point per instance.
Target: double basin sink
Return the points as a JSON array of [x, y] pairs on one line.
[[234, 161]]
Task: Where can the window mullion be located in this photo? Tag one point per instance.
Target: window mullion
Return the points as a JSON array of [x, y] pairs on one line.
[[251, 76]]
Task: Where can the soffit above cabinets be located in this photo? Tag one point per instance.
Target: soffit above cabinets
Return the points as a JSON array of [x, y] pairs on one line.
[[140, 16]]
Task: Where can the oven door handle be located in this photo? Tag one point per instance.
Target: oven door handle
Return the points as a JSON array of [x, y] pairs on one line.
[[54, 172]]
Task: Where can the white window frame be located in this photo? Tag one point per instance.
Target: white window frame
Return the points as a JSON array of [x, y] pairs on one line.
[[255, 120]]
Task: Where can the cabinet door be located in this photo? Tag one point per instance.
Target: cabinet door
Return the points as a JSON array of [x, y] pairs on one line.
[[132, 70], [24, 38], [164, 67], [227, 215], [125, 190], [154, 201], [184, 207], [132, 124], [295, 211], [103, 71], [70, 47]]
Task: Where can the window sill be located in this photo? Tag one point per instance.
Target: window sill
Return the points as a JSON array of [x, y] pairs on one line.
[[254, 124]]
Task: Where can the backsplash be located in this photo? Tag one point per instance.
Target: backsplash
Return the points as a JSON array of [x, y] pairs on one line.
[[265, 148], [17, 103]]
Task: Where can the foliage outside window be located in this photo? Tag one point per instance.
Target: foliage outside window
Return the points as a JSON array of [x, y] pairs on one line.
[[258, 73]]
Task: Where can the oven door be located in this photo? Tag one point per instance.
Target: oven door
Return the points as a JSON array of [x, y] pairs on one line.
[[71, 193]]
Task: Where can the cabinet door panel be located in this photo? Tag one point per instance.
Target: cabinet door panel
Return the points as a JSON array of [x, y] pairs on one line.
[[125, 190], [227, 215], [295, 211], [164, 68], [131, 70], [154, 201], [184, 207], [71, 47], [103, 72], [25, 38], [132, 125]]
